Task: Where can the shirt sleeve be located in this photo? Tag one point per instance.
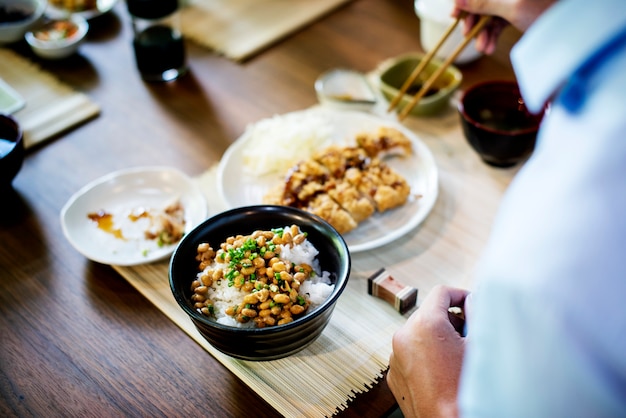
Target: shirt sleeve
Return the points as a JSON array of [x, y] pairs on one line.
[[526, 358], [547, 331]]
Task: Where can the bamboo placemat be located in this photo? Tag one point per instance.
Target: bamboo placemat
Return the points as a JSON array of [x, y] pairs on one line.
[[51, 105], [360, 331], [241, 28], [353, 351]]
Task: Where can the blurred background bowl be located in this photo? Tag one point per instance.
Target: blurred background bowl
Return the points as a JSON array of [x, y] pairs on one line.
[[397, 70], [497, 123], [17, 17], [434, 17], [58, 38], [270, 342], [11, 150]]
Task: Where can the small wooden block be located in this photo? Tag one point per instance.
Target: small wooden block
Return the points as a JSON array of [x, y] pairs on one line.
[[385, 287]]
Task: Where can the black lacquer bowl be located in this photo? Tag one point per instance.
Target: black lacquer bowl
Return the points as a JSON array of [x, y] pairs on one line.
[[497, 124], [271, 342], [12, 150]]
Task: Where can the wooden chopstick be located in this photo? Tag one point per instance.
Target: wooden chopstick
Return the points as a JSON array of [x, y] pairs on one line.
[[428, 84], [424, 62]]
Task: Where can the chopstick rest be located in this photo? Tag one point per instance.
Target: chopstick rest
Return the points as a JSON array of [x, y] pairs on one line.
[[385, 287]]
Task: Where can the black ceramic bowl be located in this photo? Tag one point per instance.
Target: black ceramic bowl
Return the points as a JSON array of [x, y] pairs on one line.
[[11, 150], [497, 124], [271, 342]]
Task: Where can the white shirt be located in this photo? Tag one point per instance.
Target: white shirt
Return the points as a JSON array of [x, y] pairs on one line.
[[547, 331]]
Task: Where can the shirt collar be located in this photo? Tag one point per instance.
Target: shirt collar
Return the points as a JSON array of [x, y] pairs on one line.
[[560, 42]]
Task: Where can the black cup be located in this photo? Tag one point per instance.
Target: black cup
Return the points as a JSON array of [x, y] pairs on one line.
[[11, 150], [497, 124]]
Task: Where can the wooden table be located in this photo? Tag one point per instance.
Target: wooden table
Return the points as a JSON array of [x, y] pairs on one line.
[[77, 339]]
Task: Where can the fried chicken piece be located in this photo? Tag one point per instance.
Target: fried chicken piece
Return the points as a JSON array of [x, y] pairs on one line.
[[305, 187], [386, 188], [345, 185], [387, 141], [360, 207], [337, 159], [329, 210], [302, 183]]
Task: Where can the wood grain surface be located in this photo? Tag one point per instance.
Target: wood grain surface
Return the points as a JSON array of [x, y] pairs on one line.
[[76, 338]]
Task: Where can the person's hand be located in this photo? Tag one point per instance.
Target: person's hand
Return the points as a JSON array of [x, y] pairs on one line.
[[487, 39], [519, 13], [425, 364]]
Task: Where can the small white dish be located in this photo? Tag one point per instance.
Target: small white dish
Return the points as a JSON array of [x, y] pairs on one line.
[[345, 89], [51, 41], [120, 193]]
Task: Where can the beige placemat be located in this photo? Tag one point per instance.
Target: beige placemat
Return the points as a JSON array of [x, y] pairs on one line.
[[353, 351], [348, 358], [241, 28], [51, 105]]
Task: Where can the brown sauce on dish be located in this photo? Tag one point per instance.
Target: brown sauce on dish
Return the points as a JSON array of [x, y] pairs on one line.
[[138, 214], [105, 223]]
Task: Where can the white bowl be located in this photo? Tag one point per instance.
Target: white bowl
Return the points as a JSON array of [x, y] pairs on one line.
[[57, 48], [435, 19], [14, 31]]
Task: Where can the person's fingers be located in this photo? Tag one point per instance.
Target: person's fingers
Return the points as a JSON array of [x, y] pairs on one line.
[[519, 13], [442, 297], [436, 305], [487, 38], [468, 23], [484, 7], [456, 296], [434, 310], [431, 318], [493, 34], [482, 41]]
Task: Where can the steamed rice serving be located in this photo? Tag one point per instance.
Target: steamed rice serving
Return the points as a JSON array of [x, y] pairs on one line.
[[297, 135], [267, 278]]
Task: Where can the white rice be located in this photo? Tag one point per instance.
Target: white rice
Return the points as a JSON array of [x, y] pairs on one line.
[[317, 288], [297, 135]]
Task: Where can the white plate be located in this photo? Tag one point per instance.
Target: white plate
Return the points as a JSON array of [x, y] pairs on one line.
[[103, 6], [239, 188], [121, 192]]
